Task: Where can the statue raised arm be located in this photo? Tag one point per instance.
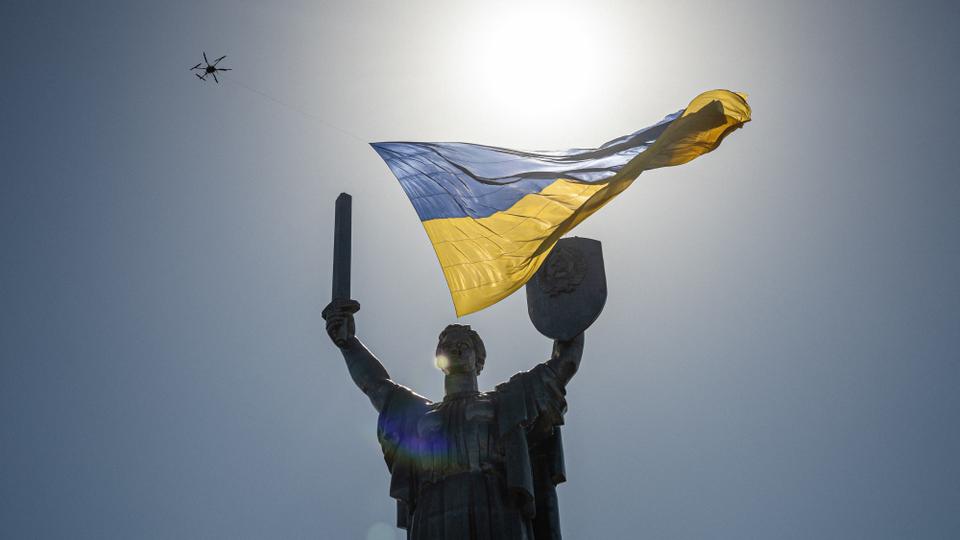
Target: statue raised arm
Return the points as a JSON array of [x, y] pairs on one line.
[[566, 356], [366, 371]]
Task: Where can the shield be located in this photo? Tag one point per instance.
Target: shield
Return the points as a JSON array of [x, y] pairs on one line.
[[569, 290]]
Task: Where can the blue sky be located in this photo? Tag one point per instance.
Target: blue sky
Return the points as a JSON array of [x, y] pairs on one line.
[[778, 357]]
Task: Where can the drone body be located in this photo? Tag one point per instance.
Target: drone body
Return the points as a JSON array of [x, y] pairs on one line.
[[209, 68]]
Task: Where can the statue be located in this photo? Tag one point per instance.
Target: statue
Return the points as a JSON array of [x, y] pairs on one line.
[[476, 465]]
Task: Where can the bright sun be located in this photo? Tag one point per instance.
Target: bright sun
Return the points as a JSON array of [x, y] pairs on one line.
[[533, 60]]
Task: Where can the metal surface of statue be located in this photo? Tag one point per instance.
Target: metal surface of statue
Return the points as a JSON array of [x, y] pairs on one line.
[[475, 465], [567, 294]]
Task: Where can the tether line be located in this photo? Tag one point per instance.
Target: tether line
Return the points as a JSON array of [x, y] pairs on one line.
[[232, 79]]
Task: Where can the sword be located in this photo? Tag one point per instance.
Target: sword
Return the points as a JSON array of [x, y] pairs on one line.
[[341, 248], [341, 257]]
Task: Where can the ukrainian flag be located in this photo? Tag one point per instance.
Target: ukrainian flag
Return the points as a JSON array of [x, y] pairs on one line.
[[494, 214]]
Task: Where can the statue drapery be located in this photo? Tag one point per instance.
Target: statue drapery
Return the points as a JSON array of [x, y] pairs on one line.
[[477, 466]]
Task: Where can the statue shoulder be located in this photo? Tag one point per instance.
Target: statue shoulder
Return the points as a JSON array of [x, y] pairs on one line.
[[538, 374], [398, 419], [401, 399], [531, 397]]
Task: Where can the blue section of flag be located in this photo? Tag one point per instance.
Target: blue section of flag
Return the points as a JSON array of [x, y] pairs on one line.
[[451, 180]]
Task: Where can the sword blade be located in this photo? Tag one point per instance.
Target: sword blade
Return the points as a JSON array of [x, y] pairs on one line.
[[341, 247]]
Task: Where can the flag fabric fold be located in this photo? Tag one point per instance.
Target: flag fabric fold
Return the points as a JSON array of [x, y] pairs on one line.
[[493, 214]]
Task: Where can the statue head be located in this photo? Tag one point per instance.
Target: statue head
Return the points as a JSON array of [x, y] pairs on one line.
[[460, 350]]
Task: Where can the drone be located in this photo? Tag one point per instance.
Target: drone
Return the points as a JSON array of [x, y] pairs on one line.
[[209, 69]]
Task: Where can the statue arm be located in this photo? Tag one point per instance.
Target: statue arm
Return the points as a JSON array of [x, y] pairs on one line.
[[566, 356], [367, 372]]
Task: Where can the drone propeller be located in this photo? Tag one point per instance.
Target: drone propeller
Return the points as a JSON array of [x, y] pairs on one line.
[[205, 58], [196, 67], [224, 69], [199, 77], [215, 78], [219, 59]]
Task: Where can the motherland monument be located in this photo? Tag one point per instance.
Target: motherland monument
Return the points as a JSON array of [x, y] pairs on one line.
[[477, 465]]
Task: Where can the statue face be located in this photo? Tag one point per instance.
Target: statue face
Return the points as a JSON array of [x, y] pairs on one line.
[[457, 354]]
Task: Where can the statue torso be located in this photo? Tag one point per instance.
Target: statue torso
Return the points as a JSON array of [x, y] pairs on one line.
[[460, 435], [471, 466]]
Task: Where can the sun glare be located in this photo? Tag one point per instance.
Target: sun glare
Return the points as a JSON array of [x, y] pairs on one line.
[[532, 60]]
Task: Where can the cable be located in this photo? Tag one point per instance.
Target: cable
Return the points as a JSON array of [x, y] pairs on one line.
[[236, 81]]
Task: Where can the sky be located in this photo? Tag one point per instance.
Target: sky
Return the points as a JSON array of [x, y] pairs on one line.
[[779, 355]]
